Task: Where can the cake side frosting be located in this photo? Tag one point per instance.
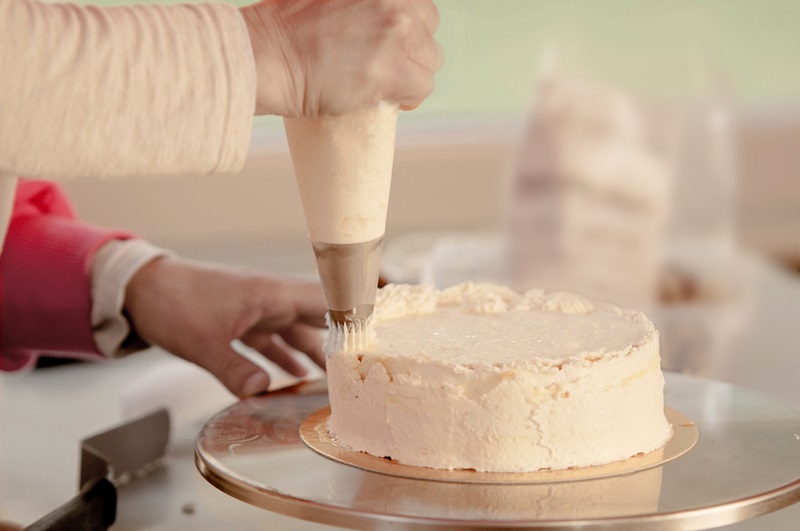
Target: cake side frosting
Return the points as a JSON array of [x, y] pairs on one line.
[[477, 376]]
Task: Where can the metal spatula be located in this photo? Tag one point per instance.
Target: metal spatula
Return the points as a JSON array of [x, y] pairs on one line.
[[109, 459]]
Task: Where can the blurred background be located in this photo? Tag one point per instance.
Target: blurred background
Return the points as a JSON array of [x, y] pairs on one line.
[[454, 151]]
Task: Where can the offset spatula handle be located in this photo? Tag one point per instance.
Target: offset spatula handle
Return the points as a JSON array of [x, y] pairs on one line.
[[94, 509]]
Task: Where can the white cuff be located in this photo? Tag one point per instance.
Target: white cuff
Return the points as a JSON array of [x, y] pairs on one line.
[[113, 266]]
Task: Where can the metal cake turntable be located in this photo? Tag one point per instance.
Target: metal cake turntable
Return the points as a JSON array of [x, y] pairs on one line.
[[745, 463]]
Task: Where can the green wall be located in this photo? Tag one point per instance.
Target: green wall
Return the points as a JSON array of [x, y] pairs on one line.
[[493, 48]]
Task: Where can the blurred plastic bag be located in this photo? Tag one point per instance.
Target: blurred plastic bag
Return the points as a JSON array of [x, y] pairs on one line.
[[588, 202]]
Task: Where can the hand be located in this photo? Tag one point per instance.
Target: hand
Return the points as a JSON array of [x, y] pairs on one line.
[[337, 56], [195, 310]]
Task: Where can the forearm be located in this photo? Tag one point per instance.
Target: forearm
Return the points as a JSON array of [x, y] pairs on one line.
[[131, 90]]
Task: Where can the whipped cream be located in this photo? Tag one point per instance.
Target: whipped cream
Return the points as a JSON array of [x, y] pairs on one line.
[[478, 376], [343, 166], [349, 337]]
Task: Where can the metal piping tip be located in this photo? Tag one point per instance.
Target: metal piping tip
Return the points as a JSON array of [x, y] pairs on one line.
[[350, 318], [349, 276]]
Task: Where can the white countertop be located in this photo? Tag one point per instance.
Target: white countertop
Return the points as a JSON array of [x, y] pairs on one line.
[[45, 414]]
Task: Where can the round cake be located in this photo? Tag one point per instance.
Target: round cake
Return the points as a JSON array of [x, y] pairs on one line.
[[480, 377]]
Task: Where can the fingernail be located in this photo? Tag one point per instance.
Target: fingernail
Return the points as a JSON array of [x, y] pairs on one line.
[[256, 383], [300, 371]]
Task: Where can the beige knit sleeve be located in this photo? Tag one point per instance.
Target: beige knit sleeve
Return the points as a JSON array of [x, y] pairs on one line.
[[131, 90], [113, 267]]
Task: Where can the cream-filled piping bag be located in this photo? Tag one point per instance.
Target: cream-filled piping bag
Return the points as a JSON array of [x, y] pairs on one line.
[[343, 166]]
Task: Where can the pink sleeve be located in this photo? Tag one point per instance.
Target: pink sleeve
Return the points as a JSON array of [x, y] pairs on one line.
[[45, 281]]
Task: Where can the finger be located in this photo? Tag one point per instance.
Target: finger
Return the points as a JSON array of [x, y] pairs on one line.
[[307, 340], [426, 13], [426, 52], [276, 353], [412, 85], [309, 303], [239, 375]]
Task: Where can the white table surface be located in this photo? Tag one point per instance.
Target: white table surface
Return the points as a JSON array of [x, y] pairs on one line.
[[45, 414]]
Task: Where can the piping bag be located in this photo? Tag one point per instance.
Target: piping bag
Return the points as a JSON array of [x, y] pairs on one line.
[[343, 167]]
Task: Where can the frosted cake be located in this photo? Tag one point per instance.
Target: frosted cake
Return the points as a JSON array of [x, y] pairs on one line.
[[480, 377]]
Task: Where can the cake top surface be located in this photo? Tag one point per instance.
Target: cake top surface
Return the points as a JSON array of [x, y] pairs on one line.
[[481, 324]]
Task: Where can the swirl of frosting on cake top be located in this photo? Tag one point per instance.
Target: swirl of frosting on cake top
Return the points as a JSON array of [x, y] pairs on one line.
[[537, 326]]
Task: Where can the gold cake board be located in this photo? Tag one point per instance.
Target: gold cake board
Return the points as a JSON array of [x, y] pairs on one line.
[[746, 462]]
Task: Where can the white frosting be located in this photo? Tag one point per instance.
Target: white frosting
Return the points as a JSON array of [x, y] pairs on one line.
[[477, 376], [349, 337], [343, 166]]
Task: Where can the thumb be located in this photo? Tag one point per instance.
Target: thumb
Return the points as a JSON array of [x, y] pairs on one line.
[[242, 377]]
